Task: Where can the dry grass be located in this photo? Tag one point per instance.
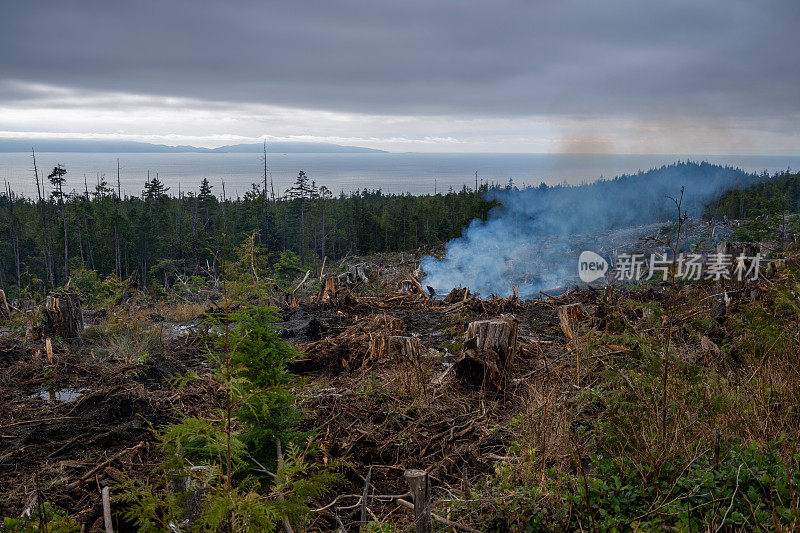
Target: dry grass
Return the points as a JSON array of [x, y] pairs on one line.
[[184, 312]]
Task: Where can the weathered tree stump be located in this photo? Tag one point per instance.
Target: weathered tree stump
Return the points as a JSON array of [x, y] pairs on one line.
[[407, 348], [31, 332], [489, 350], [63, 316], [569, 316], [328, 290], [410, 286], [356, 274]]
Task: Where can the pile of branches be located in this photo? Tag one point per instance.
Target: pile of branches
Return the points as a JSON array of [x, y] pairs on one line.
[[356, 346]]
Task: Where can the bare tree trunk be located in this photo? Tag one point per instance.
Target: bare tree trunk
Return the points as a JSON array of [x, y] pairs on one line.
[[66, 235], [48, 255], [196, 237], [80, 247], [180, 223], [89, 251], [266, 201]]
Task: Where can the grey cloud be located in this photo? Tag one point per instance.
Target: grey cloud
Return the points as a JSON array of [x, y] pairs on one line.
[[576, 57]]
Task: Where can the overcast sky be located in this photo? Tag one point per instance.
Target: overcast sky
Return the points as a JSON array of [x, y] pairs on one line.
[[635, 76]]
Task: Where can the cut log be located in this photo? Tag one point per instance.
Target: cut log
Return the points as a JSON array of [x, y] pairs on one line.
[[569, 316], [63, 316], [489, 350]]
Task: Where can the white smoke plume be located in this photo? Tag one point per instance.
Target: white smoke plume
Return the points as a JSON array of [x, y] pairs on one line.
[[533, 238]]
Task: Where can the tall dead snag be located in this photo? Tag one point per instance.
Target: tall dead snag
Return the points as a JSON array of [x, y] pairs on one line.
[[489, 350], [569, 316], [63, 316]]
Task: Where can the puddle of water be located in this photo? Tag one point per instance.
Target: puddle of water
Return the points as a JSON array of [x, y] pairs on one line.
[[176, 330], [69, 394]]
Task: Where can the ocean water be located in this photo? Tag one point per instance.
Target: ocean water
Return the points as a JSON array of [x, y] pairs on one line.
[[414, 173]]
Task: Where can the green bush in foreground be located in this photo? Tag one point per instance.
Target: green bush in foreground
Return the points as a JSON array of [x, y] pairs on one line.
[[752, 488], [224, 470]]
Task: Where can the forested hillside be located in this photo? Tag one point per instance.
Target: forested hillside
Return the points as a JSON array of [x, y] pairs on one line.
[[163, 232], [779, 192]]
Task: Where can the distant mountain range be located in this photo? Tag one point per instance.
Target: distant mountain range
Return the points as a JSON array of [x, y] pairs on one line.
[[122, 147]]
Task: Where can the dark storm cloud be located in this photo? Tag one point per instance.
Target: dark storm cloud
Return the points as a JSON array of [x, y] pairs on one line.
[[580, 57]]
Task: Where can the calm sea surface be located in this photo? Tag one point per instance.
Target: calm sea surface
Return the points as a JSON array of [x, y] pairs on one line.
[[394, 173]]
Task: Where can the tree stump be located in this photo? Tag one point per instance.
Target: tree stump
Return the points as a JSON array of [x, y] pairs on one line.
[[728, 281], [63, 316], [407, 348], [569, 316], [356, 274], [30, 328], [328, 291], [411, 287], [489, 350]]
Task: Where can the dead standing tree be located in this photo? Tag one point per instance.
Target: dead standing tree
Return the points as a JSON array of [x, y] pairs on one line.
[[57, 179]]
